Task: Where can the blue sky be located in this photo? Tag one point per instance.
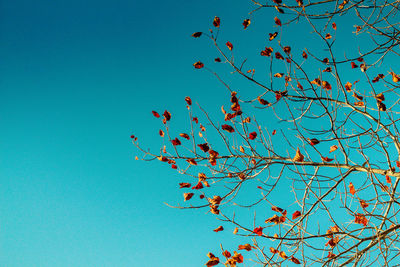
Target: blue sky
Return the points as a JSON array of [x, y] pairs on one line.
[[78, 78]]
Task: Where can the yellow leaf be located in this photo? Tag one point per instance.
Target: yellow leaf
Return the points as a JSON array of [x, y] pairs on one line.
[[298, 157], [333, 148]]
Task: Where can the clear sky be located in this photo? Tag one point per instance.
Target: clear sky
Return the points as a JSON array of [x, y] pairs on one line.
[[77, 79]]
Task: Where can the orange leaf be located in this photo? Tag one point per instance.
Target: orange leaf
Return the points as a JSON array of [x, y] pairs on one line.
[[161, 133], [229, 45], [279, 56], [388, 179], [267, 51], [334, 26], [296, 215], [228, 128], [328, 36], [198, 65], [197, 34], [351, 189], [247, 247], [184, 135], [326, 159], [258, 230], [333, 148], [187, 196], [277, 21], [188, 100], [294, 260], [348, 86], [235, 231], [198, 186], [363, 204], [218, 229], [212, 262], [184, 185], [252, 135], [298, 157], [360, 219], [227, 254], [305, 56], [216, 22], [246, 23], [176, 142], [272, 36], [283, 255]]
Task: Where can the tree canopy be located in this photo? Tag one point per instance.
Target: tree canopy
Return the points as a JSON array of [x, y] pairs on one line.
[[304, 162]]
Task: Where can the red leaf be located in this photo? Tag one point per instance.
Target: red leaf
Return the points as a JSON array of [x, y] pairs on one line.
[[173, 166], [198, 65], [155, 114], [197, 34], [198, 186], [246, 23], [246, 247], [227, 254], [161, 133], [227, 128], [191, 161], [278, 56], [188, 100], [363, 204], [184, 185], [360, 219], [294, 260], [326, 159], [296, 214], [277, 21], [388, 179], [313, 141], [352, 190], [176, 142], [187, 196], [277, 209], [204, 147], [273, 132], [218, 229], [229, 45], [184, 135], [334, 26], [252, 135], [217, 59], [195, 119], [305, 56], [216, 22], [354, 65], [258, 230]]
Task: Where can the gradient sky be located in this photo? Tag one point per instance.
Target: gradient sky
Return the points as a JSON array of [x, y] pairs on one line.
[[77, 79]]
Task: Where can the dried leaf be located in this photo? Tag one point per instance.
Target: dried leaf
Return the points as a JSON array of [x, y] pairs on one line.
[[155, 114], [298, 157], [252, 135], [187, 196], [258, 230], [197, 34], [277, 21], [272, 36], [198, 65], [216, 22], [218, 229], [229, 45], [184, 185], [227, 128], [246, 247], [352, 190], [363, 204], [246, 23], [296, 214], [333, 148], [267, 51]]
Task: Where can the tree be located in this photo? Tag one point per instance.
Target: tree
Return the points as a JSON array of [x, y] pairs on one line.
[[330, 144]]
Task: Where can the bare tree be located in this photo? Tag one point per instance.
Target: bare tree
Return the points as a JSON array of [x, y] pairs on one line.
[[335, 156]]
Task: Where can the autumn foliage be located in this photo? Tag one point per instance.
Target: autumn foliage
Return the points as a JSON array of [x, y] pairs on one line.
[[309, 160]]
